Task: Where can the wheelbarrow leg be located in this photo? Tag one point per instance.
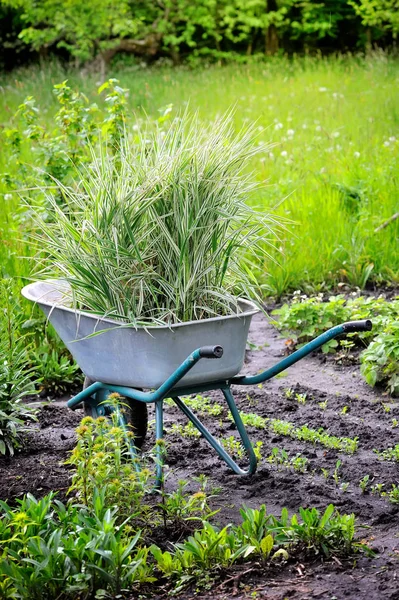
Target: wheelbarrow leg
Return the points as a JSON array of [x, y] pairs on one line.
[[160, 450], [214, 443]]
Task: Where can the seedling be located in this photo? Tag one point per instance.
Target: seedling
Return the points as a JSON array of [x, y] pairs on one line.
[[289, 393], [301, 398], [377, 488], [280, 457], [336, 475], [325, 473], [323, 405], [347, 445], [363, 483], [389, 453], [185, 431], [233, 446]]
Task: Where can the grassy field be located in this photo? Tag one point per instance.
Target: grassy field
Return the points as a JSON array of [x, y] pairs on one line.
[[332, 170]]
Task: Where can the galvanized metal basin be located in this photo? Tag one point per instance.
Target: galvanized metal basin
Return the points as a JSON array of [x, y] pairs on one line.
[[142, 357]]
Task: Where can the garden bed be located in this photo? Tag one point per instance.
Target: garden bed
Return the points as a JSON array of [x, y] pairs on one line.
[[316, 392]]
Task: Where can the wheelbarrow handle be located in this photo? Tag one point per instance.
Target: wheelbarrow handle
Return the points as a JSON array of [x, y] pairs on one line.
[[353, 326], [211, 352]]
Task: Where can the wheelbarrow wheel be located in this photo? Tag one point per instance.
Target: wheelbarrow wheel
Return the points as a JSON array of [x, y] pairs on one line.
[[135, 412]]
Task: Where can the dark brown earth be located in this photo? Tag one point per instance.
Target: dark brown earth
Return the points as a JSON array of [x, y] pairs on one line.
[[369, 415]]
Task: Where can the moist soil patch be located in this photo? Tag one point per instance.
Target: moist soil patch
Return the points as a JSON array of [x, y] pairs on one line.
[[333, 397]]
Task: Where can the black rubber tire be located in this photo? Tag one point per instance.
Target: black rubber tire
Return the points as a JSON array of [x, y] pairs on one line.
[[136, 415]]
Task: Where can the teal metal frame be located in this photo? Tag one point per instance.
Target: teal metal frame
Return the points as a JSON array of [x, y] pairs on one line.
[[97, 394]]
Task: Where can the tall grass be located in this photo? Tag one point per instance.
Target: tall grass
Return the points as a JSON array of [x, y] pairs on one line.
[[161, 231], [335, 123]]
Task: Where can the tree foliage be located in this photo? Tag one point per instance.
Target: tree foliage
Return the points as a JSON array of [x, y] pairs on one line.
[[91, 30]]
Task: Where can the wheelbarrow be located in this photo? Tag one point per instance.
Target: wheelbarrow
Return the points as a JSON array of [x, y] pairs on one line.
[[149, 364]]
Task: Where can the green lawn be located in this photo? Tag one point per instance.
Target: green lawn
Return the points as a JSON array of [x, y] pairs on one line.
[[332, 170]]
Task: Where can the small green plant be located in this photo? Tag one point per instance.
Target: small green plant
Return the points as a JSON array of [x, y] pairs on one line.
[[181, 510], [323, 404], [102, 460], [320, 436], [187, 431], [280, 457], [395, 422], [389, 453], [325, 472], [52, 550], [377, 488], [15, 373], [233, 446], [203, 405], [56, 371], [363, 483], [252, 420], [336, 476], [257, 448], [393, 494], [301, 398], [380, 361]]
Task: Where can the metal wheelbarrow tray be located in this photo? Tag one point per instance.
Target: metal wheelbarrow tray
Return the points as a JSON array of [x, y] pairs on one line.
[[167, 360]]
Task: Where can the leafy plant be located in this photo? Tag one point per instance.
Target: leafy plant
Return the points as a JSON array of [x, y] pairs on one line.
[[233, 446], [320, 436], [15, 374], [389, 454], [187, 431], [279, 456], [380, 361], [162, 232], [363, 483], [52, 550], [57, 372], [102, 460]]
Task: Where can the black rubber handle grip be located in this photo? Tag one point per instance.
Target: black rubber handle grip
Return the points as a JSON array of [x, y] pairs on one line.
[[352, 326], [211, 351]]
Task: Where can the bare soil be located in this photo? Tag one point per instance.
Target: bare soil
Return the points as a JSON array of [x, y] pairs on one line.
[[38, 469]]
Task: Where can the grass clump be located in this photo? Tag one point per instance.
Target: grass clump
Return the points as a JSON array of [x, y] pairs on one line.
[[161, 231]]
